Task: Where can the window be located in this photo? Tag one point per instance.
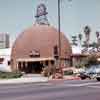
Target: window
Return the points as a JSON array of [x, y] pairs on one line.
[[46, 63], [1, 60], [9, 62]]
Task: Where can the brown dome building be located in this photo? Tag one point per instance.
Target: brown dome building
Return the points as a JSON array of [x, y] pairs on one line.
[[35, 48]]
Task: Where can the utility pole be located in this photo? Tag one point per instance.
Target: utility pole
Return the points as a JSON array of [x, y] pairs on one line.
[[59, 40]]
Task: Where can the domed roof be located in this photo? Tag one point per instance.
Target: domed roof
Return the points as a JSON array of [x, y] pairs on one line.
[[41, 38]]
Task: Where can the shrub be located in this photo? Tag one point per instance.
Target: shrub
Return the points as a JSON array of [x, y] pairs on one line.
[[68, 72], [47, 72], [7, 75]]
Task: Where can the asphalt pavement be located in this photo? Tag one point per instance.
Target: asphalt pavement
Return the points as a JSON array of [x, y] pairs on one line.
[[63, 90]]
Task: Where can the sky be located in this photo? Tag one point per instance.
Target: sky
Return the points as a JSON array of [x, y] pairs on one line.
[[18, 15]]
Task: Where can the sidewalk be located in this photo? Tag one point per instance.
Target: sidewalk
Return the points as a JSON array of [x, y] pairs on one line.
[[34, 79], [24, 80], [66, 78]]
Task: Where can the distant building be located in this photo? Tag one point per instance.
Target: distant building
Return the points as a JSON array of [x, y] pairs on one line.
[[5, 60], [4, 40], [77, 56], [80, 55]]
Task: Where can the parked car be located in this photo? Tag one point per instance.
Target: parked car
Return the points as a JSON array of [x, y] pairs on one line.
[[91, 72], [98, 77], [98, 74]]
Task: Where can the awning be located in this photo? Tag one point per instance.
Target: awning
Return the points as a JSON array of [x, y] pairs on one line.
[[34, 59]]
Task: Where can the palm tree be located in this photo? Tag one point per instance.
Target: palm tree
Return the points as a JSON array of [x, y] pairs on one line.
[[74, 40], [87, 31], [97, 34], [84, 44], [80, 38], [98, 37], [93, 45], [98, 40]]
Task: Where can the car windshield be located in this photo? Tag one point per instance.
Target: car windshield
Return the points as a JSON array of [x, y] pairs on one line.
[[93, 69], [97, 69]]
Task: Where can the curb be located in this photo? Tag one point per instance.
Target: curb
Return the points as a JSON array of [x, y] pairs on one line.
[[70, 78], [34, 80], [73, 78], [22, 81]]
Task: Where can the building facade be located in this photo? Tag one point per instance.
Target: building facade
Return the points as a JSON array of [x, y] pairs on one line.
[[4, 40], [5, 57], [35, 49], [38, 46]]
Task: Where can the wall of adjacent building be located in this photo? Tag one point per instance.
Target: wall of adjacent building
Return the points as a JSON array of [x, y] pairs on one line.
[[4, 40]]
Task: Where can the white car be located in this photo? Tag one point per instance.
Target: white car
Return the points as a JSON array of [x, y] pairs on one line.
[[5, 65]]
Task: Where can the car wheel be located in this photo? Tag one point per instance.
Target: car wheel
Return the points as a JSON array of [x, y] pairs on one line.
[[98, 79], [83, 78]]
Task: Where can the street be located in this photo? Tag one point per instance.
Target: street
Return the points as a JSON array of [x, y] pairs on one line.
[[53, 90]]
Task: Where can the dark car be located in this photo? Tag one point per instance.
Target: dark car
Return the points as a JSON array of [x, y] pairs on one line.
[[90, 72], [98, 74], [98, 77]]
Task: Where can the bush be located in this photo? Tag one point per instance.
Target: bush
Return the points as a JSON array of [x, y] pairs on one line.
[[68, 72], [45, 71], [92, 60], [8, 75]]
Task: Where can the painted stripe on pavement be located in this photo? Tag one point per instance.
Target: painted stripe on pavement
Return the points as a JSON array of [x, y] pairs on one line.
[[96, 87], [82, 84]]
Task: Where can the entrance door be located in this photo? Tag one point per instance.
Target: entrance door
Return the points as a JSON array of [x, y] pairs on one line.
[[34, 67]]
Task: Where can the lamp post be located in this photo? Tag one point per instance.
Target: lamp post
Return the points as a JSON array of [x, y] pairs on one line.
[[59, 40]]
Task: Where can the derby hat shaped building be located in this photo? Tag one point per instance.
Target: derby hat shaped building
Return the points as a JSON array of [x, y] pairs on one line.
[[37, 47]]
